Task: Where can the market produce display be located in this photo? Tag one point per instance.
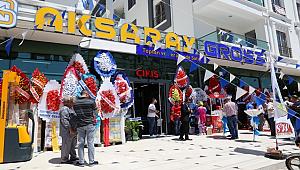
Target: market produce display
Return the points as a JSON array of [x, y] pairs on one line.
[[181, 79], [22, 91]]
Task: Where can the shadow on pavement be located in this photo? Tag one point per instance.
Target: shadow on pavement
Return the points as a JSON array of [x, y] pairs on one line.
[[176, 139], [249, 151], [157, 137], [55, 161], [247, 141], [246, 133], [220, 137]]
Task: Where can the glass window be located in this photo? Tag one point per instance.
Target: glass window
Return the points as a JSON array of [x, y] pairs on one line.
[[131, 3], [278, 2], [284, 50], [160, 13]]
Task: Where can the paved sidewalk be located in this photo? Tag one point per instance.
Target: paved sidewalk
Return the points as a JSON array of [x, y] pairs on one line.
[[203, 152]]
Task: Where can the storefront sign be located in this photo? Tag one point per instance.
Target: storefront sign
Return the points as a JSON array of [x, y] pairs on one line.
[[166, 54], [144, 73], [8, 13], [222, 51], [104, 29]]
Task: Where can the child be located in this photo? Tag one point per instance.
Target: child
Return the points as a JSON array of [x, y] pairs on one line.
[[202, 118]]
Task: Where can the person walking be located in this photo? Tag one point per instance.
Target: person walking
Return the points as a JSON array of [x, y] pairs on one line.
[[202, 119], [85, 109], [193, 117], [231, 109], [152, 114], [271, 114], [68, 131], [185, 116], [175, 117]]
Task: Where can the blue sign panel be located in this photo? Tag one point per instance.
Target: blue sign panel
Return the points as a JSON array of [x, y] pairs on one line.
[[222, 51], [167, 54]]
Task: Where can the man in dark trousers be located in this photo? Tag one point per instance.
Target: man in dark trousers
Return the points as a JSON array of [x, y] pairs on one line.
[[185, 116], [85, 109]]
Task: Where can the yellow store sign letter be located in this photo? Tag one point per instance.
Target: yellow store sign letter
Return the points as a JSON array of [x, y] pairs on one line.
[[8, 13], [40, 18]]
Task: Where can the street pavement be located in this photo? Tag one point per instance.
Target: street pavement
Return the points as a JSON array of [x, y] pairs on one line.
[[164, 153]]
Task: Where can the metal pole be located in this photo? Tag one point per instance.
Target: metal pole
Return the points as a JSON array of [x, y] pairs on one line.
[[134, 102], [160, 108]]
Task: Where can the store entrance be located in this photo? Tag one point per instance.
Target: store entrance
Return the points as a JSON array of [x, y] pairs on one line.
[[143, 94]]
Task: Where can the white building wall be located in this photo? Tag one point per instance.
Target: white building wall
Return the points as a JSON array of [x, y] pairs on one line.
[[185, 22], [139, 12], [182, 17]]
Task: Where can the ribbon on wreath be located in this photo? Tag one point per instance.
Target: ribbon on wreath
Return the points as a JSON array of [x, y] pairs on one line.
[[123, 89], [37, 82], [22, 92], [255, 122], [225, 127], [109, 102], [98, 121], [85, 87], [34, 93]]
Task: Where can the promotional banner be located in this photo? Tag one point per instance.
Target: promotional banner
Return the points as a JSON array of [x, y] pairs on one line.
[[284, 128], [164, 53], [49, 131]]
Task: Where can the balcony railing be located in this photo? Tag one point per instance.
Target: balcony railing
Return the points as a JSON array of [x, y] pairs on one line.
[[285, 51], [233, 38], [258, 2]]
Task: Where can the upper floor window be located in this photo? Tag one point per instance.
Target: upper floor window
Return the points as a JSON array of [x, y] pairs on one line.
[[284, 50], [278, 2], [160, 13], [278, 7], [131, 3]]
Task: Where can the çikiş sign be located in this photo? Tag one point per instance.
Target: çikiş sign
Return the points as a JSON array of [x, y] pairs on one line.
[[144, 73], [218, 50]]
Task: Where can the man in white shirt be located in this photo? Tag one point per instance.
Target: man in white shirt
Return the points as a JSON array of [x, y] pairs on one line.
[[271, 114], [152, 114]]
